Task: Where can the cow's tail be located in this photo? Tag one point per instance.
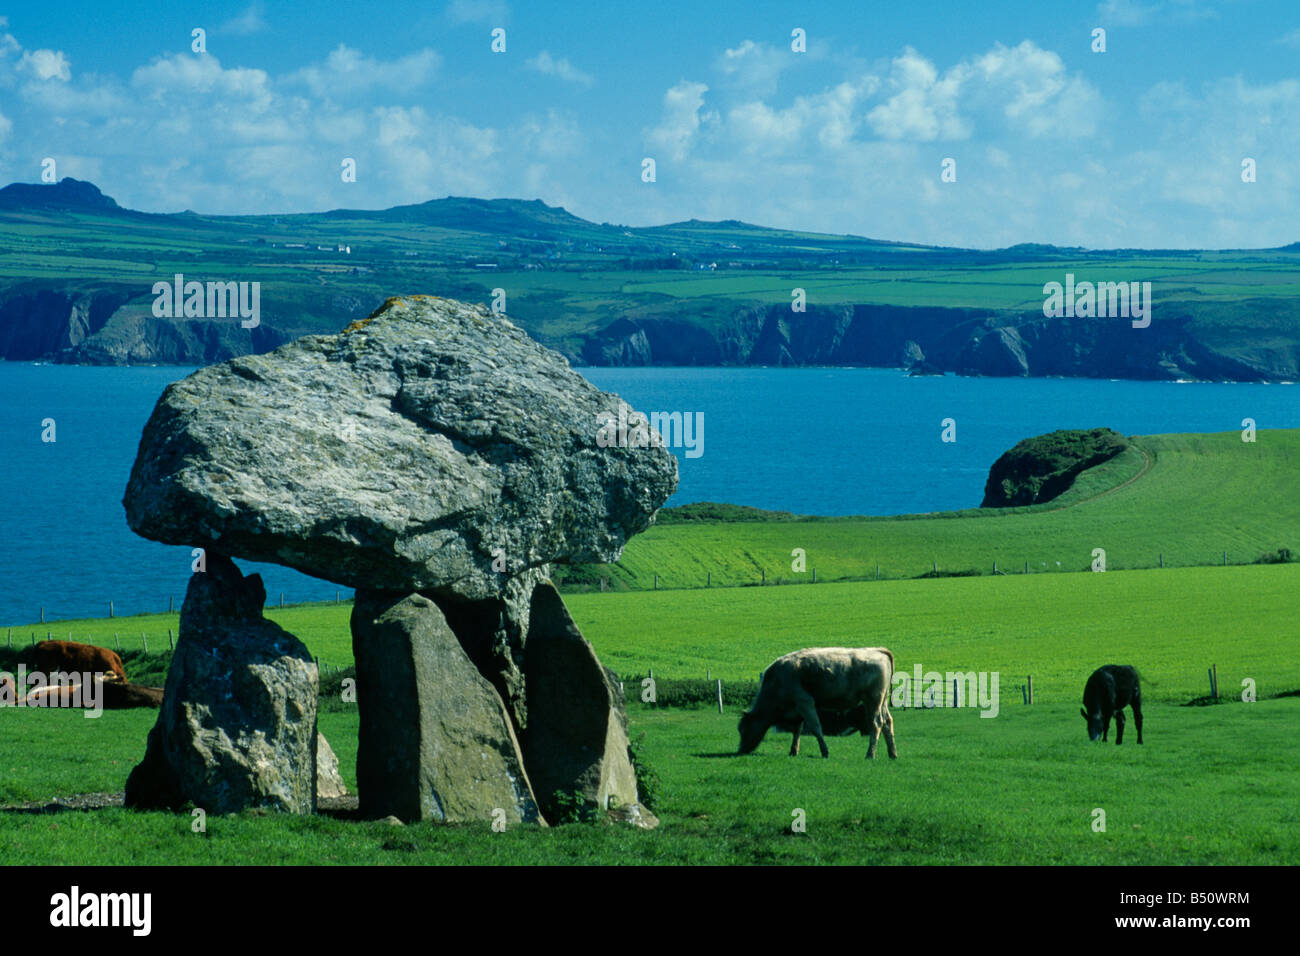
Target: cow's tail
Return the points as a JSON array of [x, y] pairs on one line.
[[889, 681]]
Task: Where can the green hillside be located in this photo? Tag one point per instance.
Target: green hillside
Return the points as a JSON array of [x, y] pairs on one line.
[[1184, 498]]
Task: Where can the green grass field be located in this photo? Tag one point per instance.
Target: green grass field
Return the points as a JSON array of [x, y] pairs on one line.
[[1213, 784]]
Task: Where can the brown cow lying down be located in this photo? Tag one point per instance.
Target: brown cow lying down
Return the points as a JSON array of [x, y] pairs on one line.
[[56, 695], [801, 686], [69, 657], [113, 695], [119, 696]]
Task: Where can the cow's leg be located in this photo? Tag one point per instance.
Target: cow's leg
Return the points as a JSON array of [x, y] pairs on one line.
[[794, 744], [811, 722], [887, 725], [1137, 715], [1119, 727]]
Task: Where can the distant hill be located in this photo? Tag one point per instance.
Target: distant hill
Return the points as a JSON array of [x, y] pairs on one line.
[[67, 193], [77, 272]]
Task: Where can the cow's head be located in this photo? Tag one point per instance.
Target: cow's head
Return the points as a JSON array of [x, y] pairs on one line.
[[752, 730], [1094, 724]]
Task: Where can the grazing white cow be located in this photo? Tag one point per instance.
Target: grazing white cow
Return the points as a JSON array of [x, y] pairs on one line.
[[796, 686]]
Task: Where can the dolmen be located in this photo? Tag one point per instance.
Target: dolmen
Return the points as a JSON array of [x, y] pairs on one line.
[[439, 461]]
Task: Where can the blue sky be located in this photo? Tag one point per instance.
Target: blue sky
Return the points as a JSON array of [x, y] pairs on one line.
[[1141, 145]]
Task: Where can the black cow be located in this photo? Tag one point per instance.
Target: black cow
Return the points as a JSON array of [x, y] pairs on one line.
[[1109, 690]]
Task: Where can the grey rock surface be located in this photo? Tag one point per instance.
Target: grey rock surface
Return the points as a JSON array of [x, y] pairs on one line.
[[435, 741], [237, 727], [576, 742], [433, 447]]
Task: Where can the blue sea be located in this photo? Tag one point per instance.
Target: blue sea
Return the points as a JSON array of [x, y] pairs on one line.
[[814, 441]]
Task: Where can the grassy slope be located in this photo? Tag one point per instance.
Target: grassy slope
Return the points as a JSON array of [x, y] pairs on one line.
[[1203, 495]]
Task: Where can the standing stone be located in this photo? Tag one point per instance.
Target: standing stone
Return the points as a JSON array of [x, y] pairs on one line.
[[237, 728], [493, 632], [576, 742], [329, 782], [435, 741]]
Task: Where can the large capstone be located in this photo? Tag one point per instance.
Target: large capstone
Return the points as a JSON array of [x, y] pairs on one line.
[[435, 742], [237, 728], [433, 447]]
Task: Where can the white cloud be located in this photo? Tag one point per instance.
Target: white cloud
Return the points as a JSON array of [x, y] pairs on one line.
[[548, 65], [347, 71], [557, 135], [1136, 13], [1125, 13], [182, 75], [924, 104], [45, 65], [1036, 93], [755, 67], [493, 13], [248, 22], [680, 120]]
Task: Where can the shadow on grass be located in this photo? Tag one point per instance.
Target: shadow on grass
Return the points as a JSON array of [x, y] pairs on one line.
[[720, 756]]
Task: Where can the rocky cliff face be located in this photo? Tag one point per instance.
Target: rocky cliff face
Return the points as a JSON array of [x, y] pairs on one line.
[[1177, 344], [116, 326], [1252, 340]]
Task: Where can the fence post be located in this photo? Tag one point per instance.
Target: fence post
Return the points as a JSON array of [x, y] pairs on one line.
[[1162, 559], [171, 604], [1214, 669], [656, 582], [1225, 559], [1026, 567], [719, 695], [877, 572], [110, 608], [995, 567], [934, 566], [763, 571], [145, 641], [814, 575], [42, 615], [1031, 688], [336, 596], [709, 581], [170, 643], [281, 599], [954, 693], [118, 641], [708, 673], [1024, 695]]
